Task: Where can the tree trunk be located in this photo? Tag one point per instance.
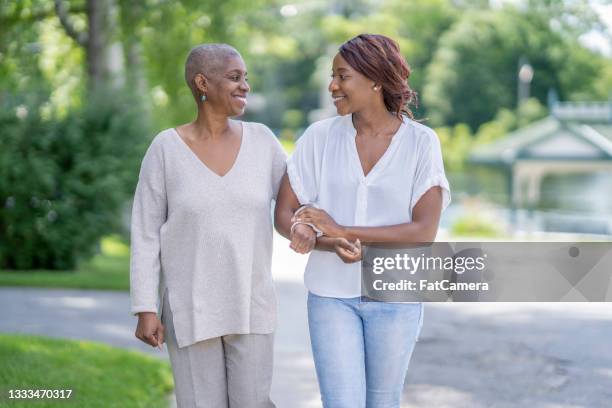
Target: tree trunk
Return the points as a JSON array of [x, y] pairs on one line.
[[95, 41], [131, 14], [97, 46]]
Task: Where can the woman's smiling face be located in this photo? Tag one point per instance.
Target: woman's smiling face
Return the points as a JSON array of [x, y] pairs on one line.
[[228, 90], [350, 90]]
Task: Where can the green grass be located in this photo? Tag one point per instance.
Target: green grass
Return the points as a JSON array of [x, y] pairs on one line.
[[474, 226], [108, 270], [99, 375]]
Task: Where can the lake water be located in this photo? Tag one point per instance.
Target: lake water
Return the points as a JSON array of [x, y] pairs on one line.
[[577, 203]]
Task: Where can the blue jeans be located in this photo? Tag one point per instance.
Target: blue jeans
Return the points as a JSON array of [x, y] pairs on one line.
[[362, 349]]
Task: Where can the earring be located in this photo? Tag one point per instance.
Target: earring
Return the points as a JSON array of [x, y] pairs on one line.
[[203, 98]]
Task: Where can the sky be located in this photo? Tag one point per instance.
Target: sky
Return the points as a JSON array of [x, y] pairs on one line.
[[596, 40]]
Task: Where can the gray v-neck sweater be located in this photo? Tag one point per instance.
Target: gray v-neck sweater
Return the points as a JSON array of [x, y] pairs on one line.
[[207, 239]]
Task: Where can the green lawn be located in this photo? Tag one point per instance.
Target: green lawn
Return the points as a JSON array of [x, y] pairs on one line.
[[98, 375], [108, 270]]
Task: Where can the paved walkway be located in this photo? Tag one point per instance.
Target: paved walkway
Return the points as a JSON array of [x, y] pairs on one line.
[[470, 355]]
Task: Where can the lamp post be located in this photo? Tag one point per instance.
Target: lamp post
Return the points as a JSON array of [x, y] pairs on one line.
[[525, 75]]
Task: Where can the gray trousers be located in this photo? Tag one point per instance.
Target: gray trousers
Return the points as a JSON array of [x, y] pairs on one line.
[[233, 371]]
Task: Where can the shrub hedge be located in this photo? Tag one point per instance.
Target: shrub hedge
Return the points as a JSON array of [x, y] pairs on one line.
[[63, 180]]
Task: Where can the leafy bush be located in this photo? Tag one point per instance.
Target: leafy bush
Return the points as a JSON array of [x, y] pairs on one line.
[[63, 180]]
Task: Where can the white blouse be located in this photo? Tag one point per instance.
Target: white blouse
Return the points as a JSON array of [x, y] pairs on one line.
[[325, 171]]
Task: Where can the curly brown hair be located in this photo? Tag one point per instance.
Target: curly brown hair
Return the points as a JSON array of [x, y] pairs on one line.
[[378, 58]]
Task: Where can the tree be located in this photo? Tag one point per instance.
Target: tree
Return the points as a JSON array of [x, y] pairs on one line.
[[19, 50], [95, 39], [474, 70], [420, 25]]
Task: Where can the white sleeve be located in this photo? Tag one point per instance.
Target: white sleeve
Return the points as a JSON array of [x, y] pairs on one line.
[[304, 165], [148, 216], [430, 171]]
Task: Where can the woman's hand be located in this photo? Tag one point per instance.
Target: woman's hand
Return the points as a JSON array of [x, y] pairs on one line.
[[320, 219], [150, 329], [347, 251], [303, 239]]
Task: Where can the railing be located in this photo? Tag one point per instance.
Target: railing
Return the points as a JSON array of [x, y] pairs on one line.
[[587, 111]]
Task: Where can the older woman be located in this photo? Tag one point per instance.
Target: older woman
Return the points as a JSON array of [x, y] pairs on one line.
[[202, 241], [371, 175]]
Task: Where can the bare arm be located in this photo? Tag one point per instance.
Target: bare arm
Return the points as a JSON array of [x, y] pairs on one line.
[[303, 237], [326, 244], [423, 228], [286, 204]]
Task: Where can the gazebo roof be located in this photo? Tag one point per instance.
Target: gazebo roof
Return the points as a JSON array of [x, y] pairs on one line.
[[573, 132]]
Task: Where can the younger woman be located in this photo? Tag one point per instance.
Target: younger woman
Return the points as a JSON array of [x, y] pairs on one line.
[[370, 175]]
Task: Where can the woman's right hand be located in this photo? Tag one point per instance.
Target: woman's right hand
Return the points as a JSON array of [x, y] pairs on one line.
[[303, 239], [150, 329], [347, 251]]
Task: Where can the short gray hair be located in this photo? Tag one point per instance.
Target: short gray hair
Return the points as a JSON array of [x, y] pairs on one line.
[[207, 59]]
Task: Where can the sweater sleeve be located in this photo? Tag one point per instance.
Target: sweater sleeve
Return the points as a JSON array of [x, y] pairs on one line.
[[148, 216]]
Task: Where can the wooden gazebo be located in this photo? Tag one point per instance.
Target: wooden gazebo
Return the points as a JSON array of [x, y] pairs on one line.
[[575, 138]]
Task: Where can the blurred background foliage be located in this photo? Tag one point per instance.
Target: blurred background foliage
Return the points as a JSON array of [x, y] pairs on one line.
[[85, 84], [65, 179], [464, 54]]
